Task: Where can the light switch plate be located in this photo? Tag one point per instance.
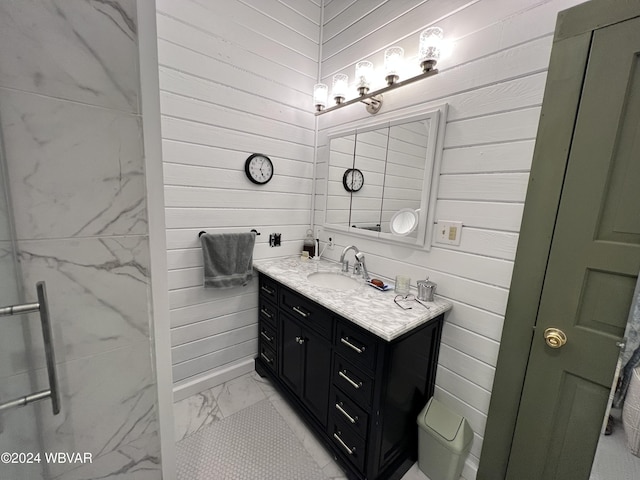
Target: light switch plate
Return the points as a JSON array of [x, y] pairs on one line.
[[448, 232]]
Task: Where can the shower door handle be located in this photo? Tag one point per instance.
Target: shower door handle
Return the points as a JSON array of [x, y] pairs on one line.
[[47, 334]]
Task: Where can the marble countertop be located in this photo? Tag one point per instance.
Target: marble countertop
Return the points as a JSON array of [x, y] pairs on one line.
[[372, 309]]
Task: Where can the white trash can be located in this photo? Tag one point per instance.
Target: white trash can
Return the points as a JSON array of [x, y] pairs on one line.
[[444, 440]]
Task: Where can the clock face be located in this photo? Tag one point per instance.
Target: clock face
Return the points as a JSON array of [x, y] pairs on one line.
[[259, 168], [353, 180]]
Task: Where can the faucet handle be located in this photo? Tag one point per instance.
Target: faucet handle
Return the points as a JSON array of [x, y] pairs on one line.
[[357, 268]]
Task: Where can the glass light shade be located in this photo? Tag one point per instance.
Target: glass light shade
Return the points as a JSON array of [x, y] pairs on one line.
[[430, 44], [364, 73], [393, 58], [320, 94], [340, 87]]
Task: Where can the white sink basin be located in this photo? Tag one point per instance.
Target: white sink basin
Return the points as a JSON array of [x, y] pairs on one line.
[[335, 281]]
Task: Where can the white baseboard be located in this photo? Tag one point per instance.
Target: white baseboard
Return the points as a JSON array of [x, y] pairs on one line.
[[211, 379]]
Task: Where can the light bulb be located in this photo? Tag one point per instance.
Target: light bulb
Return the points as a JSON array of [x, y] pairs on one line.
[[340, 87], [393, 58], [364, 72], [430, 44], [320, 94]]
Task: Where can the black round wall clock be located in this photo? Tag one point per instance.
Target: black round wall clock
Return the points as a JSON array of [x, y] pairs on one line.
[[352, 180], [258, 168]]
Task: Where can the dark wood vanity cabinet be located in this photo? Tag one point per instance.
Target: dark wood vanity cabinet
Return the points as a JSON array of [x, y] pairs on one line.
[[359, 393]]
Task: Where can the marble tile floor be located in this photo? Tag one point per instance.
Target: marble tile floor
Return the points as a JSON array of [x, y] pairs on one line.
[[198, 411]]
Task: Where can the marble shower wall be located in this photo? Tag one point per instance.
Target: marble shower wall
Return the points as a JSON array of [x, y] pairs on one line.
[[72, 131]]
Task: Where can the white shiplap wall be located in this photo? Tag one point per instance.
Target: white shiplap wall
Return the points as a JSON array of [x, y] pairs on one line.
[[236, 77], [493, 81]]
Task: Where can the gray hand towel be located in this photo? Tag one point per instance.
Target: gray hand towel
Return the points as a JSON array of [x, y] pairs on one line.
[[228, 259]]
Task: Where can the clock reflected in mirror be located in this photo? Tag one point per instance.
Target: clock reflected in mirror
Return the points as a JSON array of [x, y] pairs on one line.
[[258, 168], [352, 180]]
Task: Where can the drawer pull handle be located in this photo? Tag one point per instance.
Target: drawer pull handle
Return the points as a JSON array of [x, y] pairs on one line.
[[343, 412], [266, 337], [349, 450], [346, 341], [266, 359], [299, 340], [266, 313], [300, 311], [343, 374], [267, 289]]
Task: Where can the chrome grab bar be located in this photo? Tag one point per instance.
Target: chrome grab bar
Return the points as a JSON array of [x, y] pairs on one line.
[[47, 335], [19, 309]]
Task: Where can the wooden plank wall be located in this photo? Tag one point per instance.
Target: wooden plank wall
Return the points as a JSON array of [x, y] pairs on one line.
[[493, 81], [236, 77]]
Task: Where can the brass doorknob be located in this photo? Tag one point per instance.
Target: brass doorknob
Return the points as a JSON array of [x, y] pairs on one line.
[[555, 337]]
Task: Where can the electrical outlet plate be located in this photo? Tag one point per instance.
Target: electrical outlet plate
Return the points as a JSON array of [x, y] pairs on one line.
[[324, 238], [448, 233]]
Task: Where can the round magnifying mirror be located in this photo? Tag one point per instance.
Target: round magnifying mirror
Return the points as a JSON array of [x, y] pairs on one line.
[[404, 221]]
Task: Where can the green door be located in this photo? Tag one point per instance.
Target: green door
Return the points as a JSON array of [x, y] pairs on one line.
[[592, 270]]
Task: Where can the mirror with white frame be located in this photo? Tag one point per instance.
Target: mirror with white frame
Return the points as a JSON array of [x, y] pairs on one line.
[[399, 159]]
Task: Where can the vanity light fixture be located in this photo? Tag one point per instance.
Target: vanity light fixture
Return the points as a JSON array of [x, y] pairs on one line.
[[430, 42], [340, 87], [364, 74], [428, 55], [320, 94], [393, 59]]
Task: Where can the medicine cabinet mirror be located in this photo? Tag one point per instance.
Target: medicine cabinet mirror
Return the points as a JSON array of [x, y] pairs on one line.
[[400, 161]]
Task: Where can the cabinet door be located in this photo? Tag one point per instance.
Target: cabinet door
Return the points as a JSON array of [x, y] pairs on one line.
[[317, 374], [291, 357]]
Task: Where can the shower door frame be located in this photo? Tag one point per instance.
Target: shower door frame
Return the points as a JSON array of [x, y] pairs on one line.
[[152, 142]]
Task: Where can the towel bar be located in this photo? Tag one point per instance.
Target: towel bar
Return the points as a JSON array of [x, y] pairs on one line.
[[253, 230], [53, 391]]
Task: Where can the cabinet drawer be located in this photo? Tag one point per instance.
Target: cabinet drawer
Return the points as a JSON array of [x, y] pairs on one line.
[[268, 335], [269, 357], [306, 311], [267, 312], [352, 415], [352, 381], [268, 288], [347, 442], [355, 345]]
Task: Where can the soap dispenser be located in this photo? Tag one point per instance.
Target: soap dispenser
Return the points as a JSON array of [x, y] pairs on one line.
[[309, 244], [426, 289]]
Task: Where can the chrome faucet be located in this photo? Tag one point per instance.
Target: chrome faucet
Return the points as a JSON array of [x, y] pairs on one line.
[[359, 268], [345, 263]]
